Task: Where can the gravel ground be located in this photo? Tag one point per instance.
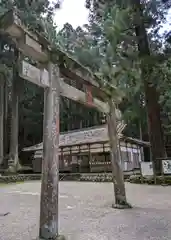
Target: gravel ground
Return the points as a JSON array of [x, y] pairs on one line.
[[86, 213]]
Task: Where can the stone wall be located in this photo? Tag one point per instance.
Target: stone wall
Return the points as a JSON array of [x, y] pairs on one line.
[[19, 178], [91, 177]]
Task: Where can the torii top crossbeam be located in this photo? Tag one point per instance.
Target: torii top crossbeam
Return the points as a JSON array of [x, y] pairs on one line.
[[38, 48]]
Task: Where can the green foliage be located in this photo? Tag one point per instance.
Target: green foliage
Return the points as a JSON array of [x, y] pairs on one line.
[[32, 13], [107, 46], [98, 47], [36, 15], [160, 180]]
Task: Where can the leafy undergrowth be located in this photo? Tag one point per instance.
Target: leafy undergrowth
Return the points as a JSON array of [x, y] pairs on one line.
[[96, 177], [159, 180], [19, 178]]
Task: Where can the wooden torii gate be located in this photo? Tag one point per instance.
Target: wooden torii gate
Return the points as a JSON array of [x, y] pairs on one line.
[[54, 65]]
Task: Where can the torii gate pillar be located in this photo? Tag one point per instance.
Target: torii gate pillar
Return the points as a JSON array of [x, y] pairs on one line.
[[50, 165]]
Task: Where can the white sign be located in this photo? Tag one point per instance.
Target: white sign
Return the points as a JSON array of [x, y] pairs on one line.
[[147, 168], [166, 166]]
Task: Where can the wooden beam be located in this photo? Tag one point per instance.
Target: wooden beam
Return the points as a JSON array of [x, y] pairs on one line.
[[30, 44], [85, 79], [40, 77], [71, 68], [31, 48], [79, 96], [68, 69], [69, 63], [33, 74]]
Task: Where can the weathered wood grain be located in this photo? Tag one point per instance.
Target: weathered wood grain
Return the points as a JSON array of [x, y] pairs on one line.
[[40, 77], [33, 74], [117, 172], [13, 160], [1, 119], [49, 189], [79, 96]]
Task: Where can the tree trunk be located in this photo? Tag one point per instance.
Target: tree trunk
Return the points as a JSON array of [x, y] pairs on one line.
[[151, 95], [1, 120], [13, 155], [50, 166], [118, 177], [6, 120], [141, 138]]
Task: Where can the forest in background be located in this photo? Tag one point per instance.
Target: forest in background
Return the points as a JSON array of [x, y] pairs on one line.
[[112, 45]]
